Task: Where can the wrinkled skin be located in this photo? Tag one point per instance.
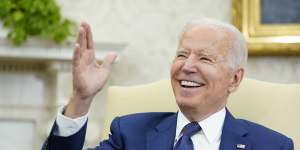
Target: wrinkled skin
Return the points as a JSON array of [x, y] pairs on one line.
[[203, 58]]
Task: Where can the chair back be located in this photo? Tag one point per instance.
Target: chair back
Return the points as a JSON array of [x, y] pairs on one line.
[[273, 105]]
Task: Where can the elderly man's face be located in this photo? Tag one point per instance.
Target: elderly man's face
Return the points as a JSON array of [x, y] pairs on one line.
[[200, 72]]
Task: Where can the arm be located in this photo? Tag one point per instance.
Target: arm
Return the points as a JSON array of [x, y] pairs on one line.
[[114, 142], [76, 141], [89, 77], [72, 142]]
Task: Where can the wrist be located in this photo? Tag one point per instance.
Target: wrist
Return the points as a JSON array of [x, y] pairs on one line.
[[77, 107]]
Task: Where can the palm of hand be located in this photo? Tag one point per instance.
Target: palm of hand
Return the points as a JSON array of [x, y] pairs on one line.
[[89, 77]]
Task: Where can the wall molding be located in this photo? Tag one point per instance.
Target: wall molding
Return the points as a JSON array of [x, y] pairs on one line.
[[39, 71]]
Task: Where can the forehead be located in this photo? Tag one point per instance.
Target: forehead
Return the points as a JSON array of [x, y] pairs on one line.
[[207, 39]]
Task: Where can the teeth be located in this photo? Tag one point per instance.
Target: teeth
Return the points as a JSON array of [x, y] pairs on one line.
[[189, 83]]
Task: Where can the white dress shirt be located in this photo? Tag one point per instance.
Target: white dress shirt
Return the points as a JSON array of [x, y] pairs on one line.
[[208, 138], [68, 126], [210, 135]]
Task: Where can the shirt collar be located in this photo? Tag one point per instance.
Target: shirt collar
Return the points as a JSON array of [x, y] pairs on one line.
[[211, 126]]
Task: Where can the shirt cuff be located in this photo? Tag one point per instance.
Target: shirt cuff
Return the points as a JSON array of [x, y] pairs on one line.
[[67, 126]]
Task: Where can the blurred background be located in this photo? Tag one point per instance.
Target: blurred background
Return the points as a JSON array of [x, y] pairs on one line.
[[35, 76]]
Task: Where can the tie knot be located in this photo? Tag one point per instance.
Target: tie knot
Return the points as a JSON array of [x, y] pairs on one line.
[[191, 129]]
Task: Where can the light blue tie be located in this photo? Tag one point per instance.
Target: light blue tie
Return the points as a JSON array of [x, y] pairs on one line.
[[185, 142]]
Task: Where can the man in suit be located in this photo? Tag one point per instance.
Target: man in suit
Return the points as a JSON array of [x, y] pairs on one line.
[[207, 68]]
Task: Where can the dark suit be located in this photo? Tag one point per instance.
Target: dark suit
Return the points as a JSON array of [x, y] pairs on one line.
[[156, 131]]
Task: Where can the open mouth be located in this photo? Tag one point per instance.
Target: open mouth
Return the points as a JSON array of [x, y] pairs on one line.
[[190, 84]]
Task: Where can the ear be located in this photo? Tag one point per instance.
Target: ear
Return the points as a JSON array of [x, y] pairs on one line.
[[236, 80]]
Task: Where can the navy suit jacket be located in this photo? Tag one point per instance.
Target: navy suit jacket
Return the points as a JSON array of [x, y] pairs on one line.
[[156, 131]]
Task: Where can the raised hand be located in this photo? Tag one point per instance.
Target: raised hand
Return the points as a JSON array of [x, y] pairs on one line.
[[89, 77]]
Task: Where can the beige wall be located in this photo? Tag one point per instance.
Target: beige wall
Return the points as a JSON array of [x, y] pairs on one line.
[[151, 29], [281, 69]]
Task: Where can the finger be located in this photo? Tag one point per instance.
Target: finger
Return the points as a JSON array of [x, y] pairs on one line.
[[79, 36], [81, 39], [84, 41], [89, 35], [108, 60], [76, 56]]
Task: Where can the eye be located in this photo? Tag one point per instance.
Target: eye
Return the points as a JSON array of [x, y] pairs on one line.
[[181, 55], [206, 59]]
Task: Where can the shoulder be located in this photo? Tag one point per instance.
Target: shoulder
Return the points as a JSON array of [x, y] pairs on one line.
[[131, 130], [143, 119], [263, 134], [135, 126], [147, 116], [260, 129]]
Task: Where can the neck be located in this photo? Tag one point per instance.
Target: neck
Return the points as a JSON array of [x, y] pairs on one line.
[[195, 115]]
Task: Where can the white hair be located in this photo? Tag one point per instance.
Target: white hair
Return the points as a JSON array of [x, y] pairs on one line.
[[238, 54]]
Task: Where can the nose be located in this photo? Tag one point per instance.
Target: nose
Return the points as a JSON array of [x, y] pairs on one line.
[[189, 66]]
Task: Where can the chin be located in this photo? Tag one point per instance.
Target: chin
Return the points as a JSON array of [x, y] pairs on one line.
[[183, 102]]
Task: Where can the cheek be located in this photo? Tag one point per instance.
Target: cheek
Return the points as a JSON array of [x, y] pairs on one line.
[[175, 67], [215, 76], [222, 81], [208, 72]]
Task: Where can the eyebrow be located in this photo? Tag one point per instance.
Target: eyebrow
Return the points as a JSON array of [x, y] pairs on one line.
[[198, 52], [182, 51]]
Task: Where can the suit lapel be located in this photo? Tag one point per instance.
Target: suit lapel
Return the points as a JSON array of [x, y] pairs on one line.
[[234, 135], [162, 136]]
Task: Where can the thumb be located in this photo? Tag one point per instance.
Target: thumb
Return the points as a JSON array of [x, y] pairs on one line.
[[108, 60]]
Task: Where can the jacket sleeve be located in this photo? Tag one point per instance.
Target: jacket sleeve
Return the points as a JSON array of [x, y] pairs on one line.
[[287, 145], [114, 142], [73, 142], [76, 141]]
